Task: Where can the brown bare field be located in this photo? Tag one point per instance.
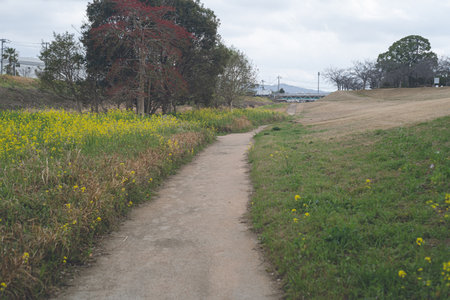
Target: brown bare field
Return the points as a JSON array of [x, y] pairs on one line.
[[342, 113]]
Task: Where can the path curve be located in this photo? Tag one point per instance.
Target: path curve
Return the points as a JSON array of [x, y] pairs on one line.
[[190, 242]]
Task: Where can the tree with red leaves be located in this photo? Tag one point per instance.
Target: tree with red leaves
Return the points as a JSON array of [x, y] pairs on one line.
[[144, 48]]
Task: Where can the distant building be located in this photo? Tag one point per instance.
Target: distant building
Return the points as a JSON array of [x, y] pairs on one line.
[[261, 92], [28, 66]]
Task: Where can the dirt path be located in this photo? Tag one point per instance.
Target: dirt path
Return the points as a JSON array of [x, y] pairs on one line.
[[292, 109], [190, 242]]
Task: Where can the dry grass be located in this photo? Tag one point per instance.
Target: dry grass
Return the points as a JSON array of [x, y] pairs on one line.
[[343, 113]]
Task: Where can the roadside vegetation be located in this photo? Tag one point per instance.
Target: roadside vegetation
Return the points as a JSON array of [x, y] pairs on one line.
[[358, 217], [66, 178]]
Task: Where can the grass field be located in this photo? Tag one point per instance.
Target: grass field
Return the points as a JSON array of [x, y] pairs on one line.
[[354, 216], [67, 178]]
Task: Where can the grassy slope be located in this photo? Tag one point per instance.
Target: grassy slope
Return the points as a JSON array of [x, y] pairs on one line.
[[409, 94], [19, 92], [369, 198]]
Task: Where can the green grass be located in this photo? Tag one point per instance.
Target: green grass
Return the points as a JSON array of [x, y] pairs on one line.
[[369, 198], [236, 120]]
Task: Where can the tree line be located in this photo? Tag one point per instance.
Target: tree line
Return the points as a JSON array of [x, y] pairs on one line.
[[149, 55], [409, 62]]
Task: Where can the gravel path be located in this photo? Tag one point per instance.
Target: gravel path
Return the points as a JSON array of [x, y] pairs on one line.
[[190, 242]]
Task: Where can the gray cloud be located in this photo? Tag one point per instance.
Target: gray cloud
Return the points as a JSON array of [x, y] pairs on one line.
[[291, 38]]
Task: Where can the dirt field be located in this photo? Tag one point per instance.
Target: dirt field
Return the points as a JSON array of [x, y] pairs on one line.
[[342, 113]]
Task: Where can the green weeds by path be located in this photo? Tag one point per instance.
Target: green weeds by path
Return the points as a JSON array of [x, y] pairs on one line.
[[236, 120], [364, 217]]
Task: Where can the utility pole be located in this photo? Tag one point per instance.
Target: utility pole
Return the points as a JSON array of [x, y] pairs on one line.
[[45, 44], [1, 57], [318, 83], [279, 77], [262, 81]]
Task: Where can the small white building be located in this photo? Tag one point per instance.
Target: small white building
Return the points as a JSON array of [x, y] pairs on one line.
[[26, 66], [261, 92]]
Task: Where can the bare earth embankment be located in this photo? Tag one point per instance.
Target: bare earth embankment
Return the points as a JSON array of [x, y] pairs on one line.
[[356, 111]]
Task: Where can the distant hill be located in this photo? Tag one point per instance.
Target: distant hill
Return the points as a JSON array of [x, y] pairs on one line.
[[290, 89]]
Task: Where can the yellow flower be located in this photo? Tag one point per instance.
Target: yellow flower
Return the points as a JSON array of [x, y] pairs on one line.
[[307, 214], [68, 205], [295, 220], [130, 203], [428, 259], [99, 219], [74, 222], [150, 180], [368, 181], [419, 278], [3, 286], [83, 189], [419, 241], [297, 197], [293, 210], [75, 187], [401, 274], [420, 269], [132, 173], [64, 259], [428, 283], [25, 257]]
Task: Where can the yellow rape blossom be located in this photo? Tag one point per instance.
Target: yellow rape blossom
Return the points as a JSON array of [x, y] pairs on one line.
[[402, 274], [25, 257], [419, 241]]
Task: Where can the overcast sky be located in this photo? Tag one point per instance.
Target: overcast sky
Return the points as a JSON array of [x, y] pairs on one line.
[[293, 39]]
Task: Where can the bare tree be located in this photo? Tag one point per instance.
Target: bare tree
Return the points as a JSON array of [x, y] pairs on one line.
[[363, 70], [443, 70], [336, 76]]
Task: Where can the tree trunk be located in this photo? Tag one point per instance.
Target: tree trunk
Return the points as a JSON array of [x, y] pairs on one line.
[[140, 109]]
